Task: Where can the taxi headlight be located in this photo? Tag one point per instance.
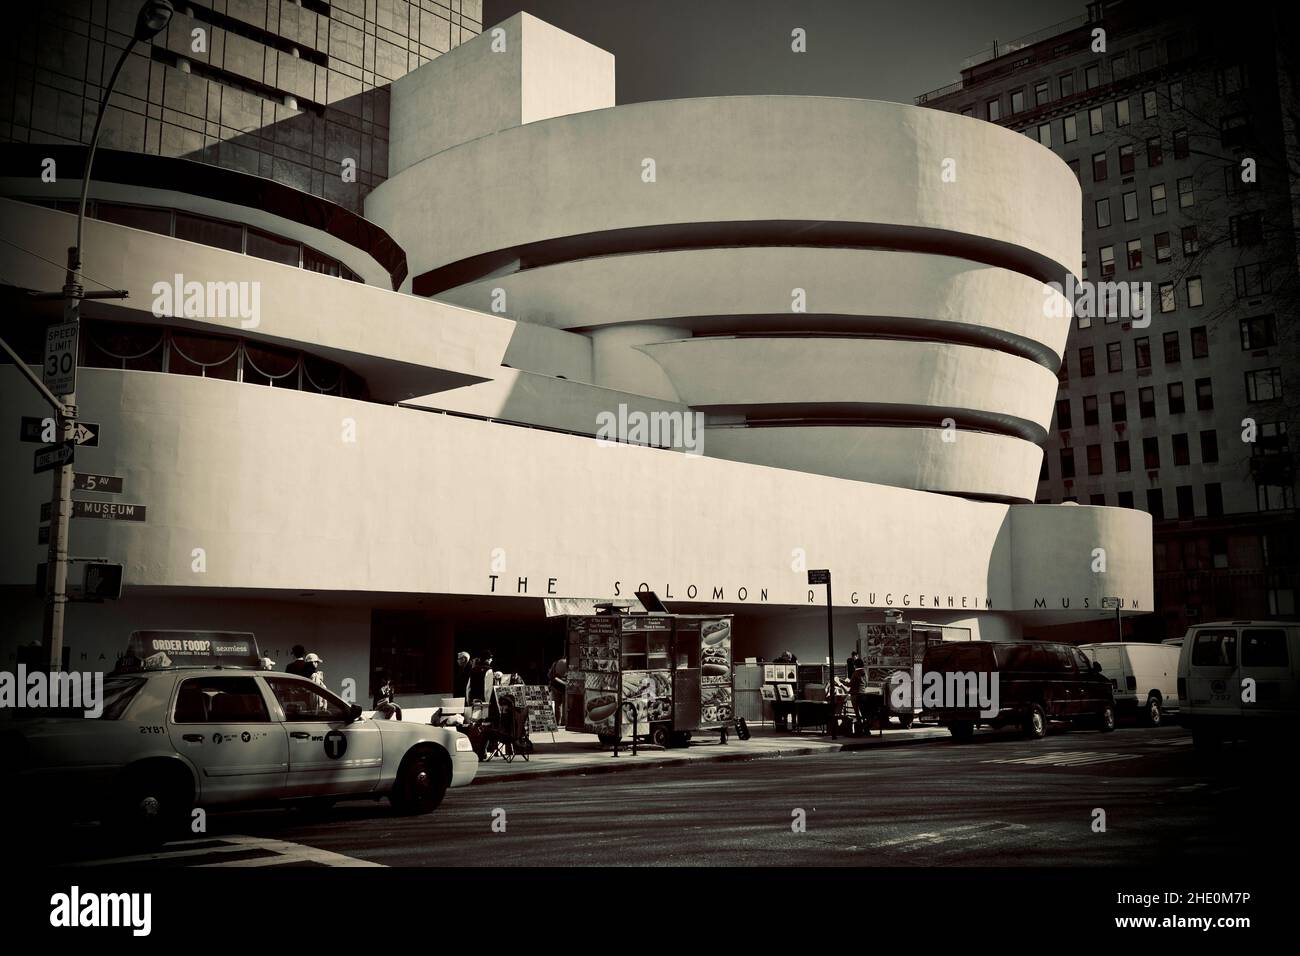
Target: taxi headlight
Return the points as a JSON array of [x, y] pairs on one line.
[[463, 744]]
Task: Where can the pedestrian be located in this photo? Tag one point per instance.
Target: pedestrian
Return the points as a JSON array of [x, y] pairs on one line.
[[299, 666], [317, 674], [855, 661], [479, 681], [463, 670], [861, 702], [558, 679], [386, 702]]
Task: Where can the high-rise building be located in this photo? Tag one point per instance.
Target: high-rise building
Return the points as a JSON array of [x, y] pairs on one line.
[[1181, 130]]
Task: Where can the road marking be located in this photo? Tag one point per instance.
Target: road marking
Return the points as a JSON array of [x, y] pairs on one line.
[[969, 832], [271, 853], [1066, 758]]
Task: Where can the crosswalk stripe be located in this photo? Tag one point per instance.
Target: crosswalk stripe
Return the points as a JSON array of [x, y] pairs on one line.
[[1065, 758], [279, 853], [933, 838]]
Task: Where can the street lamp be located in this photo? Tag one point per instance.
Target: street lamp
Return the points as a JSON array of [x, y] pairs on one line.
[[153, 17]]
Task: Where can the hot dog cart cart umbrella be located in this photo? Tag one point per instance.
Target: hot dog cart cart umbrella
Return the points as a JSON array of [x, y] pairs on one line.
[[660, 676]]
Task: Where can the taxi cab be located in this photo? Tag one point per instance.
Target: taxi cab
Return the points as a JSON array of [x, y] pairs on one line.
[[178, 733]]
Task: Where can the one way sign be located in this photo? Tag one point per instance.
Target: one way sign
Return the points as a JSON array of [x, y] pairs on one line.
[[87, 433]]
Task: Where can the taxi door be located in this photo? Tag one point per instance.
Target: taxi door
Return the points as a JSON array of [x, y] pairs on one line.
[[329, 753], [223, 726]]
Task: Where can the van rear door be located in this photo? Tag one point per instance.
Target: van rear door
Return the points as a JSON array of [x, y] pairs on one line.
[[1266, 659], [1212, 685]]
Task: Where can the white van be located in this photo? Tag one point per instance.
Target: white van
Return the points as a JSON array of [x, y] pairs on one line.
[[1240, 678], [1144, 676]]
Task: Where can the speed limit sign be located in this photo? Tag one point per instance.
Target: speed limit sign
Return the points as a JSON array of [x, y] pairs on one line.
[[60, 372]]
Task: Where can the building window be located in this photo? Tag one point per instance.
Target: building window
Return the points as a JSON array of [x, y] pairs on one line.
[[1127, 160], [1090, 416], [1098, 167], [1122, 461], [1194, 298], [1114, 357], [1102, 209], [1045, 135], [1155, 503], [1182, 450], [1119, 66], [1182, 148], [1209, 447], [1087, 366], [1155, 155], [207, 356], [1214, 499], [1074, 168], [1125, 499], [1200, 342], [1258, 333], [1094, 459], [1246, 229], [210, 232], [1158, 201], [1151, 453], [1121, 112], [1134, 250], [1017, 101], [1147, 401], [1066, 83], [1274, 497], [1149, 104], [1204, 395], [1092, 77], [1263, 385], [1174, 392], [1063, 414], [1191, 244], [1067, 463], [1142, 351], [1163, 252], [1146, 58], [1118, 407], [994, 110], [1186, 197], [1099, 500], [1167, 297], [1130, 200], [1107, 261], [1071, 128], [1186, 507], [1172, 349], [1176, 95], [1232, 79], [1249, 280], [1042, 92]]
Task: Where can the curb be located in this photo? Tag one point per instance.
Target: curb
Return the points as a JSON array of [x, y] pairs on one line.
[[614, 766]]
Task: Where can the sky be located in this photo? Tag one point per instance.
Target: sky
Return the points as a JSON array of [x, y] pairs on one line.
[[893, 50]]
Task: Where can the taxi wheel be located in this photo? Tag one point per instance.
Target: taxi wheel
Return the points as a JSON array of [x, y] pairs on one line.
[[152, 808], [421, 782]]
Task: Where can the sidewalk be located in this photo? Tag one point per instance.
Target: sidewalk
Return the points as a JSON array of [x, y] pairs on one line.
[[573, 754]]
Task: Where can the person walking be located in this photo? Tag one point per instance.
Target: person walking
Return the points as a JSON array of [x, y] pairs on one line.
[[857, 688], [558, 679], [299, 666]]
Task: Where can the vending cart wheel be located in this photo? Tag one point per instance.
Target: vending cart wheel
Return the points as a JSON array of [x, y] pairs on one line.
[[660, 736]]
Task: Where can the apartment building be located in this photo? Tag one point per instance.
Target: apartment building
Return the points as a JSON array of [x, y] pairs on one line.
[[1182, 135]]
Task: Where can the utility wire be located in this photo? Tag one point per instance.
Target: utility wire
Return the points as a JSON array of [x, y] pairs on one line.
[[60, 265]]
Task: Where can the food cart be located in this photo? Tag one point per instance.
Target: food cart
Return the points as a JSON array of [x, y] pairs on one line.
[[895, 646], [659, 676]]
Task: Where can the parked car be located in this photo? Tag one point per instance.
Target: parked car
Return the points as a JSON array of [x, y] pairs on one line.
[[1144, 677], [1240, 679], [1038, 682], [174, 739]]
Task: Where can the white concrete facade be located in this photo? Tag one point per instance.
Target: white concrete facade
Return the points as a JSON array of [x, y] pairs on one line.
[[826, 442]]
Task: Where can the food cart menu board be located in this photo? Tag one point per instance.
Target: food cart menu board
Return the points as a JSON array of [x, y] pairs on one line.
[[716, 703], [650, 694], [541, 717]]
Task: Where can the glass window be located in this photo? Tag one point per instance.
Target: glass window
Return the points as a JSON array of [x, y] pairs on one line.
[[1127, 160], [1214, 500], [1158, 201], [220, 700], [1176, 95], [1092, 77], [1200, 342], [1258, 333], [1130, 206], [1107, 261], [1142, 351], [210, 232], [1172, 348], [1194, 298], [1155, 154], [122, 345], [1147, 401], [1134, 250], [1118, 407], [1246, 229], [148, 218], [1177, 403], [1182, 450], [1066, 82], [994, 110], [1155, 503], [1098, 167], [1102, 210], [1214, 649], [1114, 357], [1204, 395], [1209, 447], [1042, 92], [1264, 648], [1017, 101], [1094, 459], [1067, 462], [1090, 415], [1250, 280], [1121, 112], [1163, 253], [1095, 124], [266, 365], [1122, 461], [1167, 303], [208, 356], [1087, 366], [1125, 498], [1149, 104], [302, 700], [266, 246], [1186, 503], [1071, 128], [1186, 196], [1063, 413], [1264, 385], [1045, 135]]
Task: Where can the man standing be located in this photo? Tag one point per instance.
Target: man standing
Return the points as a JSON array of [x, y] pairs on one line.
[[461, 686], [558, 677], [299, 666]]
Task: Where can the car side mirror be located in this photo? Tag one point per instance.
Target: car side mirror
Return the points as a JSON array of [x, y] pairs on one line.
[[354, 712]]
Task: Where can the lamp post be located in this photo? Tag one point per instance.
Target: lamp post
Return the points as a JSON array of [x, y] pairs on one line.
[[153, 17]]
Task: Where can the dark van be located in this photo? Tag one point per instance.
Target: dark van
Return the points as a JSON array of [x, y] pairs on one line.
[[1038, 681]]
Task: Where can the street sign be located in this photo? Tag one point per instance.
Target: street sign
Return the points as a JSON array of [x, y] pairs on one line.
[[37, 429], [112, 510], [82, 481], [87, 434], [1111, 603], [822, 576], [60, 370], [53, 456], [102, 582]]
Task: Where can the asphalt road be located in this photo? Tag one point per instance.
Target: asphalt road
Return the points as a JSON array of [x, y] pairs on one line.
[[999, 801]]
